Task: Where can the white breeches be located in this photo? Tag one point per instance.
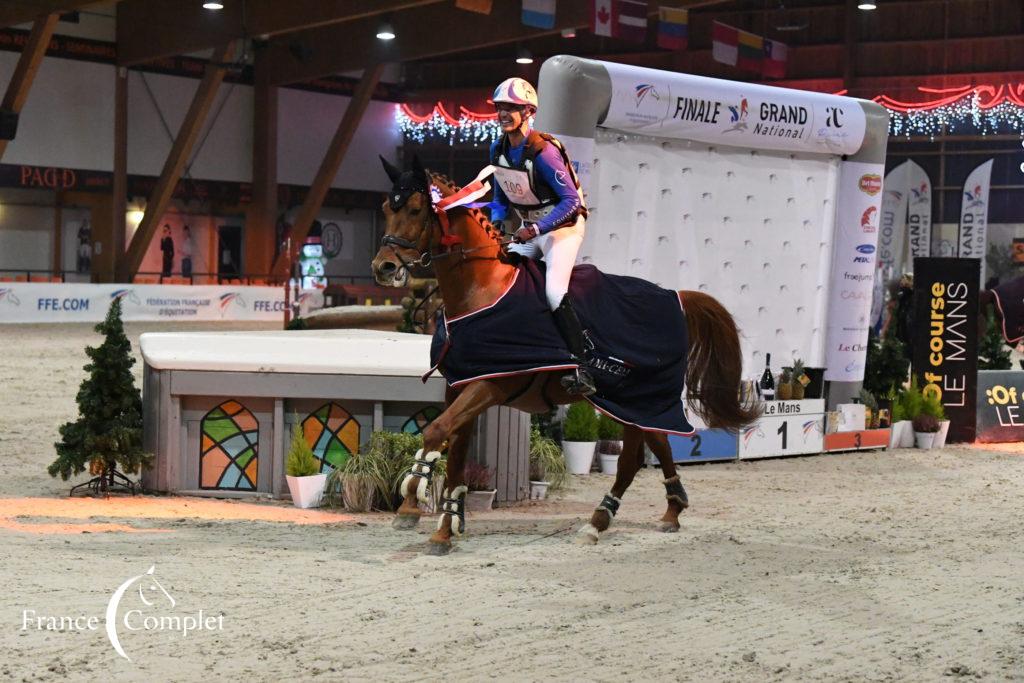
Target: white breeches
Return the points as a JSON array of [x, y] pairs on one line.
[[558, 248]]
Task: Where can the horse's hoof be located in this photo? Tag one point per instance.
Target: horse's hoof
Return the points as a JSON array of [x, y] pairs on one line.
[[588, 535], [438, 548], [405, 522], [668, 528]]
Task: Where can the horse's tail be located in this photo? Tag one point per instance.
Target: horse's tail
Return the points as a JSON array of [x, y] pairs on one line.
[[714, 364]]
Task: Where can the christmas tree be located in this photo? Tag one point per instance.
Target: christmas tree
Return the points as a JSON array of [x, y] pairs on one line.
[[108, 432], [993, 353]]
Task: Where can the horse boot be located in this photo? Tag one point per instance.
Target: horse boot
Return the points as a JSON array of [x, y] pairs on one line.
[[568, 324]]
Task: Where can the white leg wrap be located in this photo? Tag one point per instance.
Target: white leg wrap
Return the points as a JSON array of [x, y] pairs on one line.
[[422, 470], [588, 535], [453, 507]]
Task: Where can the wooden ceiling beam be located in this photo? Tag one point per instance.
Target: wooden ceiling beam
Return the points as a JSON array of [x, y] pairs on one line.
[[153, 29], [14, 12], [27, 67]]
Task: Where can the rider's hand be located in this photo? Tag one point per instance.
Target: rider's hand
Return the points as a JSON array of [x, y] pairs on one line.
[[501, 226], [526, 233]]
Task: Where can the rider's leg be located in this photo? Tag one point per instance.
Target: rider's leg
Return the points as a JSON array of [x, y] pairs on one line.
[[560, 248]]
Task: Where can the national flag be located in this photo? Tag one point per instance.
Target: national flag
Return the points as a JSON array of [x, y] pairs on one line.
[[724, 43], [775, 54], [673, 29], [751, 51], [539, 13], [602, 18], [478, 6], [632, 16]]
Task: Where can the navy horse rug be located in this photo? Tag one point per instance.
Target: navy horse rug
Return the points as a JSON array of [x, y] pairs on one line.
[[636, 338]]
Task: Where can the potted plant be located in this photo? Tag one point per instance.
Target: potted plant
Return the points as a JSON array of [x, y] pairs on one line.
[[785, 390], [547, 466], [905, 407], [871, 417], [302, 472], [932, 405], [579, 437], [480, 497], [925, 428], [609, 443], [799, 381]]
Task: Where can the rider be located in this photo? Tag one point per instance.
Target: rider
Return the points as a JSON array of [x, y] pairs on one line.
[[534, 176]]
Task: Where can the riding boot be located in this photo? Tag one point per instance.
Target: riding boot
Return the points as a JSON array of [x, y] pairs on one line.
[[580, 383]]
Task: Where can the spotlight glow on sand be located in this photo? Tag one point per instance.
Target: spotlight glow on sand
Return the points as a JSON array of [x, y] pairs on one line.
[[18, 514]]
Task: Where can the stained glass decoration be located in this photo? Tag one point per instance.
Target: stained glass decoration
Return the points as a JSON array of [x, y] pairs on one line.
[[333, 434], [420, 419], [229, 456]]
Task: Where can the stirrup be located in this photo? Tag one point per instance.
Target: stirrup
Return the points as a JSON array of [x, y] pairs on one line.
[[579, 383]]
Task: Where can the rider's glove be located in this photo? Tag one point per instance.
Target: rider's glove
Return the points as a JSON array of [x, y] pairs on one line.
[[526, 233]]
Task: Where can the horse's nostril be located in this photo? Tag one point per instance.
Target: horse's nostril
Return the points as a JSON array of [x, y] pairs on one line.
[[387, 267]]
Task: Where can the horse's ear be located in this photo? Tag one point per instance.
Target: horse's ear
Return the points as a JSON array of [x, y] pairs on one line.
[[418, 170], [392, 171]]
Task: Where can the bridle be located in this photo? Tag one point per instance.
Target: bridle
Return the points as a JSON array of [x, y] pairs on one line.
[[438, 218]]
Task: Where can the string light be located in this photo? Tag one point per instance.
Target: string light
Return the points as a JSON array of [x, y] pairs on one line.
[[470, 126]]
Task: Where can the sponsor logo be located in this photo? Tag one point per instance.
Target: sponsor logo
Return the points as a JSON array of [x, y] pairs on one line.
[[53, 304], [853, 295], [866, 248], [7, 296], [125, 294], [782, 120], [833, 117], [858, 277], [644, 90], [268, 305], [561, 177], [147, 606], [854, 366], [973, 197], [738, 116], [920, 195], [867, 219], [697, 110], [853, 348], [870, 184], [862, 259], [229, 298]]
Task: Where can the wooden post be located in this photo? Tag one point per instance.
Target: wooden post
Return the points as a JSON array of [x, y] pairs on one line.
[[183, 144], [260, 235], [28, 65], [119, 185], [331, 163], [57, 264]]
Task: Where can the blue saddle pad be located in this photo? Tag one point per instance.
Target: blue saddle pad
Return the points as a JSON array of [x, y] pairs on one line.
[[637, 339]]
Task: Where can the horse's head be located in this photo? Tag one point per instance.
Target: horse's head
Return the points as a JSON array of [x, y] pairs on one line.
[[409, 225]]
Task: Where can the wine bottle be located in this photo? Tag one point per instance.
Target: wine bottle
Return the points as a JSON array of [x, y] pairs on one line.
[[767, 380]]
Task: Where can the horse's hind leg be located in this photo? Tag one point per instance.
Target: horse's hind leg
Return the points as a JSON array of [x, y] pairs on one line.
[[674, 491], [629, 463]]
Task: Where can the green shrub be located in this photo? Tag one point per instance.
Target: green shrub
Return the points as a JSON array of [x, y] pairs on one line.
[[300, 462], [932, 405], [608, 429], [580, 423]]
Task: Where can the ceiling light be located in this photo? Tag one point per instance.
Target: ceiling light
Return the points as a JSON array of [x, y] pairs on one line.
[[867, 5], [213, 5], [386, 31], [523, 56], [568, 33]]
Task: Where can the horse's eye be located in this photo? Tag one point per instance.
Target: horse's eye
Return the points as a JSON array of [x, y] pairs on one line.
[[414, 211]]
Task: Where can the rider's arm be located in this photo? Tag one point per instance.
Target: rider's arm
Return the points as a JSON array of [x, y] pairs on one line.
[[499, 203], [550, 166]]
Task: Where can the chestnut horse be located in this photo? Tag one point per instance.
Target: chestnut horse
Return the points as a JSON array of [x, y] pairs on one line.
[[472, 268]]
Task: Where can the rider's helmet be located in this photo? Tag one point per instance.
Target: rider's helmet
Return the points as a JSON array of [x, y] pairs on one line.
[[515, 91]]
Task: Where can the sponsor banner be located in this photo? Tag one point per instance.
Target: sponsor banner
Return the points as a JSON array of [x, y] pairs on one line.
[[919, 213], [721, 112], [973, 238], [892, 224], [32, 302], [1000, 406], [945, 353], [854, 254]]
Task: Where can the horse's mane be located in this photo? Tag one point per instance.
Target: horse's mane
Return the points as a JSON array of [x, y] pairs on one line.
[[448, 187]]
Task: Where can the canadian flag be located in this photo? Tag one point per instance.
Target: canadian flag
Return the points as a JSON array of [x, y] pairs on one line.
[[603, 19]]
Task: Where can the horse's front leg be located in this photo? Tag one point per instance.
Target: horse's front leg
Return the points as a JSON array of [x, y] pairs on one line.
[[452, 429], [630, 460], [675, 494]]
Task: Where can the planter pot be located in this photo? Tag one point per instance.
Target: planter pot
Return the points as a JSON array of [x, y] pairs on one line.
[[924, 439], [479, 501], [902, 435], [940, 436], [609, 463], [579, 456], [357, 492], [307, 491], [539, 490]]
